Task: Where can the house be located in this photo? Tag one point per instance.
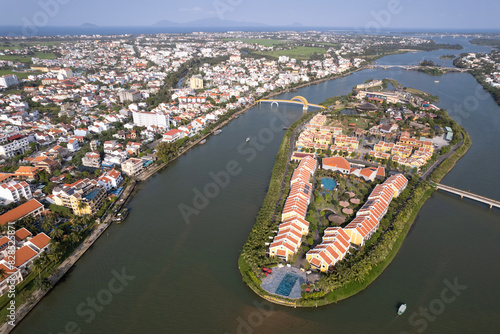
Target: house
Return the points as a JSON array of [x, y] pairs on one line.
[[132, 166], [110, 180], [73, 145], [12, 276], [39, 243], [173, 135], [92, 159], [30, 208], [22, 235], [23, 258], [361, 229], [337, 164]]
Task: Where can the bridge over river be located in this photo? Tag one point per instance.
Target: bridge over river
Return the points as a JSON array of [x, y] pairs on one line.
[[466, 194], [417, 67], [296, 99]]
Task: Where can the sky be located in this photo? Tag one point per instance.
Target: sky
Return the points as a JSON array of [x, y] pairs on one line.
[[368, 14]]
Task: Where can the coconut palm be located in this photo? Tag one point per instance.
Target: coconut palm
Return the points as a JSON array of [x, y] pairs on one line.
[[57, 233]]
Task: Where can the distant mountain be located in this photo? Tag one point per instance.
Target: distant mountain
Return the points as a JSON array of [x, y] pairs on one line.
[[87, 25], [208, 22]]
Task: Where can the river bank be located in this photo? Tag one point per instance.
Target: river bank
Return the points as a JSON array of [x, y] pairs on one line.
[[128, 194]]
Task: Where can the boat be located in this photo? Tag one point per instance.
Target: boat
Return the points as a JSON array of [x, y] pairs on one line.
[[285, 128], [401, 309], [248, 139], [203, 141], [436, 81], [217, 132], [122, 215]]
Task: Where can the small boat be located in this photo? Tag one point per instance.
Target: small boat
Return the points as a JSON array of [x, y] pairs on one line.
[[217, 132], [401, 309], [285, 128], [203, 141], [436, 81], [236, 116], [248, 139], [122, 215]]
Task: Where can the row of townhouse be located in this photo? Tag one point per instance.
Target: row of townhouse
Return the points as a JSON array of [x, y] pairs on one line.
[[288, 240], [336, 240]]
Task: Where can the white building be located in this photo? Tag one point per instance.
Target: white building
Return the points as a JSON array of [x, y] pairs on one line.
[[13, 191], [144, 118], [132, 166], [8, 80], [13, 145], [110, 180]]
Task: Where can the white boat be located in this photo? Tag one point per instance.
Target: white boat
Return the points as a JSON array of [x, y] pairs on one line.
[[401, 309], [436, 81], [248, 139], [217, 132]]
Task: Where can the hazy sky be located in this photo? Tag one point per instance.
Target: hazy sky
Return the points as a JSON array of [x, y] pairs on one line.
[[428, 14]]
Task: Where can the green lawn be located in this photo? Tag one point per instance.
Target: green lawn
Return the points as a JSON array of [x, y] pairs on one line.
[[27, 59], [17, 46], [300, 52], [20, 75], [261, 41]]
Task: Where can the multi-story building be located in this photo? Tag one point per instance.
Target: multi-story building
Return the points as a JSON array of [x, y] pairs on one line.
[[129, 95], [144, 118], [8, 80], [196, 82], [13, 145], [14, 191], [110, 180], [84, 197], [132, 166], [92, 159]]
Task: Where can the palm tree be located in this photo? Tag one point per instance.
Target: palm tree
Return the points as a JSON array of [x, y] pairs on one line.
[[73, 238], [38, 265], [3, 274], [57, 233], [47, 224]]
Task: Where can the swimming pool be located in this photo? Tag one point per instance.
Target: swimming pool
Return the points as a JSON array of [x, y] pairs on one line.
[[328, 183], [286, 285]]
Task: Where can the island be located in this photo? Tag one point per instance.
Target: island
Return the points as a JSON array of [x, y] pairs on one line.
[[346, 186]]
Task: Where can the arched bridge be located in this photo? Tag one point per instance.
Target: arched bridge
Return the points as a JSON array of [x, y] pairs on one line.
[[296, 99]]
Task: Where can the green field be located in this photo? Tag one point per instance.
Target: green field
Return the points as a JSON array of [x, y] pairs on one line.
[[20, 75], [261, 41], [17, 46], [300, 52], [27, 59]]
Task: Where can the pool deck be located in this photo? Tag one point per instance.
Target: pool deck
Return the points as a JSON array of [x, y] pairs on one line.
[[272, 281]]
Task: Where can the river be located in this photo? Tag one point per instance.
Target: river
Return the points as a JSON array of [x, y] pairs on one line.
[[185, 275]]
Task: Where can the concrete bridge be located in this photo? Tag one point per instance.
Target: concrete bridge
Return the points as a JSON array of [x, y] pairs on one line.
[[466, 194], [417, 67], [296, 99]]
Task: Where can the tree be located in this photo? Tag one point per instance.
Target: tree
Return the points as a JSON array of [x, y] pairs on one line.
[[164, 150], [57, 233]]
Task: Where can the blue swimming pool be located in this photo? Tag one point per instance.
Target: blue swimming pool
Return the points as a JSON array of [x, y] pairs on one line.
[[328, 183], [286, 284]]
